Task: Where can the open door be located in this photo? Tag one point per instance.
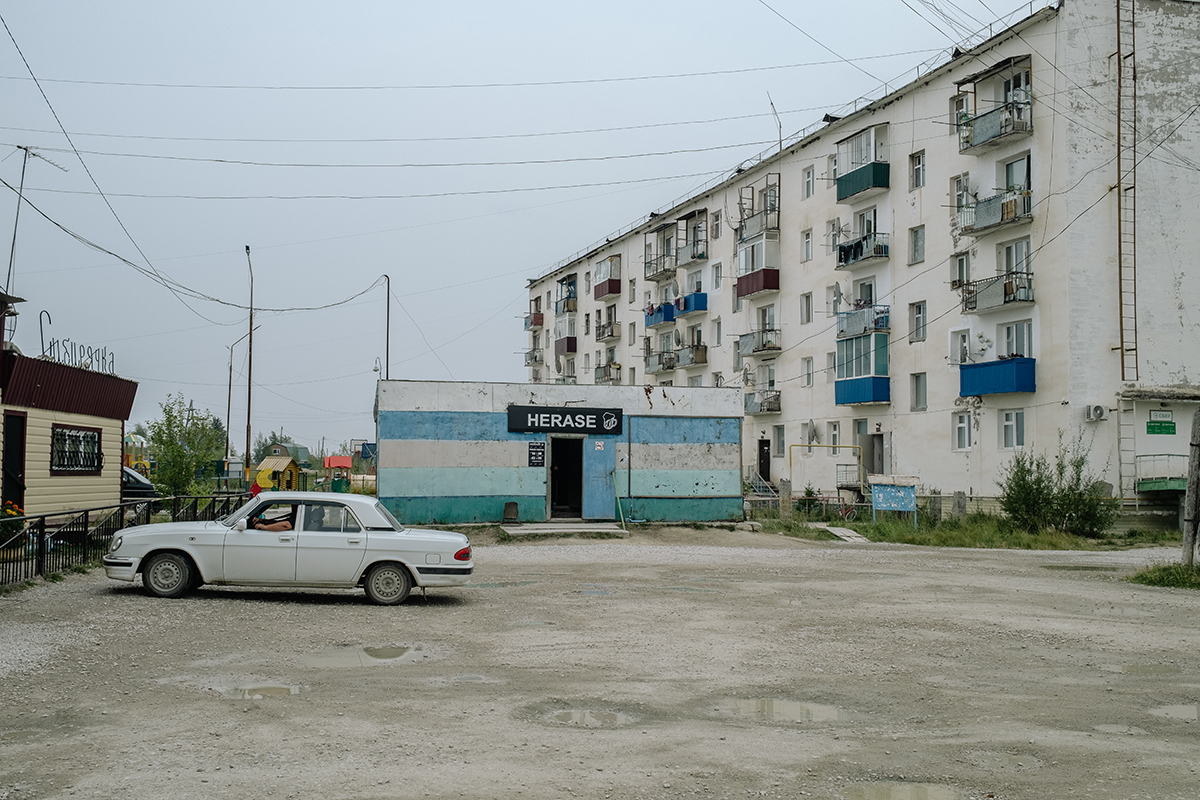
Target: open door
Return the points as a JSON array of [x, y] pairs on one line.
[[599, 489], [13, 458], [764, 459]]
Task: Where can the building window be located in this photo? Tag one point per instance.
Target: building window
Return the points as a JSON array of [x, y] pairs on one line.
[[75, 451], [587, 362], [830, 367], [916, 322], [1012, 428], [777, 443], [962, 431], [716, 332], [633, 290], [806, 371], [810, 182], [806, 254], [806, 308], [919, 386], [1016, 256], [1017, 338], [632, 332], [862, 356], [916, 170], [834, 430], [587, 324], [587, 282], [960, 110], [716, 225], [716, 277], [960, 347], [537, 376], [916, 244], [695, 380], [833, 231], [632, 375], [960, 269], [832, 168]]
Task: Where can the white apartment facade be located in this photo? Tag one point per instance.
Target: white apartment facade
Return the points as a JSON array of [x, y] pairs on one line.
[[971, 264]]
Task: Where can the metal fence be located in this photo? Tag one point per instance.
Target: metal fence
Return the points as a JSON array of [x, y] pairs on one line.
[[46, 544]]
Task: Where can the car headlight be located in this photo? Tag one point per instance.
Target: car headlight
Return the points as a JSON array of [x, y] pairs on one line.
[[116, 544]]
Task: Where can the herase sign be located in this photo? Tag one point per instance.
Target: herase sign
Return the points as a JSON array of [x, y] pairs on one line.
[[541, 419]]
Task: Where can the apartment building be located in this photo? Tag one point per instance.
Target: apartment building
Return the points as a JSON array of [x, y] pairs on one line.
[[973, 263]]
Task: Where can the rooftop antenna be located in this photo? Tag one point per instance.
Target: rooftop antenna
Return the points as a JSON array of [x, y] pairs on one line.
[[778, 124], [12, 253]]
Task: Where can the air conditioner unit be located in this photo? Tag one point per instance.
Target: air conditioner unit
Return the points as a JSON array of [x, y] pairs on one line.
[[956, 284], [1094, 413]]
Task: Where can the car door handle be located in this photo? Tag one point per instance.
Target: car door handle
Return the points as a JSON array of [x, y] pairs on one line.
[[287, 538], [354, 541]]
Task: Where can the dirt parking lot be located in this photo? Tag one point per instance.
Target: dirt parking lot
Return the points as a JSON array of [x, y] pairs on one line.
[[671, 664]]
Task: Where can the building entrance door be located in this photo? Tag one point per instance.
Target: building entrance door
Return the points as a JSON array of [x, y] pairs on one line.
[[599, 491], [566, 477], [14, 459], [764, 459]]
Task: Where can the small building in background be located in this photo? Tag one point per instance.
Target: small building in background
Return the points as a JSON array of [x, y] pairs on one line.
[[459, 452], [280, 472]]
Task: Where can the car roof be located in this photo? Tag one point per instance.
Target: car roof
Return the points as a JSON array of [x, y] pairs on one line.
[[353, 500]]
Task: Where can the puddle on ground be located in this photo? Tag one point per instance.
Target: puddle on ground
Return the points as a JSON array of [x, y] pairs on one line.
[[366, 656], [1145, 669], [785, 710], [585, 718], [255, 691], [902, 791], [1081, 567], [1177, 712], [688, 589], [1125, 730], [499, 584]]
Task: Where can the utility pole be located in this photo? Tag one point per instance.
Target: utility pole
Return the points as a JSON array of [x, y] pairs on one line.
[[249, 362], [387, 341], [1191, 502], [229, 399]]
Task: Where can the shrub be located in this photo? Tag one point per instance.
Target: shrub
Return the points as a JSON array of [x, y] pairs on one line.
[[1037, 495]]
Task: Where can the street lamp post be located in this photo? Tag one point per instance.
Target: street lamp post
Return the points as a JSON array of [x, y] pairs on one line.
[[229, 398], [249, 362], [387, 342]]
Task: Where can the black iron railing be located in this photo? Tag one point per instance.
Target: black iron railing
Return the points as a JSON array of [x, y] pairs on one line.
[[46, 544]]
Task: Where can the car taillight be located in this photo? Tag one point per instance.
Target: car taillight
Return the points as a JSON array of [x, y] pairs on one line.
[[463, 555]]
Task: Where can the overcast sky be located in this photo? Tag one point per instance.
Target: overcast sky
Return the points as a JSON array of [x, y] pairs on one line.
[[347, 141]]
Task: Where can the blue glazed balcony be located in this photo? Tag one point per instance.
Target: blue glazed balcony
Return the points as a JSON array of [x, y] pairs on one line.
[[1004, 376], [867, 389], [869, 179], [694, 303], [661, 315]]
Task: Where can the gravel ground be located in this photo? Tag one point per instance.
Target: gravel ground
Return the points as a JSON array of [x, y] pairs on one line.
[[671, 664]]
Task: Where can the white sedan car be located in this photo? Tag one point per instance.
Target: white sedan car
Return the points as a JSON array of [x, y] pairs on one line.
[[293, 539]]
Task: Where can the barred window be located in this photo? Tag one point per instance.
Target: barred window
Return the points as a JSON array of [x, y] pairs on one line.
[[75, 450]]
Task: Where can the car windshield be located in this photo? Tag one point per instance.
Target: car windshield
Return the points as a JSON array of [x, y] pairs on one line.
[[388, 516], [237, 513]]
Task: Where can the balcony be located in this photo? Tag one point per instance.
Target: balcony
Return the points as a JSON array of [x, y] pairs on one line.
[[765, 342], [863, 320], [1004, 376], [753, 225], [608, 373], [692, 251], [606, 288], [851, 476], [863, 250], [692, 355], [661, 315], [869, 179], [534, 320], [1161, 473], [866, 389], [761, 280], [1011, 288], [533, 356], [564, 346], [661, 268], [689, 304], [608, 331], [565, 379], [659, 362], [1001, 209], [764, 402], [567, 305], [994, 127]]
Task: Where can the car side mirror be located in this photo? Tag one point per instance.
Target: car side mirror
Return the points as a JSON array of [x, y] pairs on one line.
[[240, 525]]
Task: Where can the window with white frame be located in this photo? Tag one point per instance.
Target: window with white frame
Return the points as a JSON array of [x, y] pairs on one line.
[[916, 170], [834, 430], [716, 225], [587, 362], [777, 441], [1017, 177], [919, 385], [1012, 428], [864, 223], [632, 332], [960, 193], [695, 380], [808, 435], [962, 430], [587, 283], [960, 110], [833, 300], [694, 282], [833, 233], [570, 367], [832, 169], [587, 324], [716, 276], [1016, 256], [916, 244], [632, 376], [633, 290], [862, 356], [810, 182], [960, 346], [806, 308], [862, 148], [830, 367], [716, 329], [960, 269], [806, 371], [806, 244], [916, 321], [1015, 339]]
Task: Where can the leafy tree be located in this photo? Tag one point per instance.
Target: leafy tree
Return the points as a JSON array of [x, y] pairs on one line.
[[262, 445], [185, 443], [1065, 495]]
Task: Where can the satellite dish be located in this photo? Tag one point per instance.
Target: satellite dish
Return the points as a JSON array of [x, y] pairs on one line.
[[678, 339]]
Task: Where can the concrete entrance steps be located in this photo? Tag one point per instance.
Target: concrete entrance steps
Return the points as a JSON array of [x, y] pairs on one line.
[[561, 527]]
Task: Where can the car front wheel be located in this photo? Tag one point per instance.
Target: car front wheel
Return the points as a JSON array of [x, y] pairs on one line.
[[169, 575], [387, 584]]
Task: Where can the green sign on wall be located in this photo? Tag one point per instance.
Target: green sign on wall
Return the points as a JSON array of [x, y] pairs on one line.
[[1167, 428]]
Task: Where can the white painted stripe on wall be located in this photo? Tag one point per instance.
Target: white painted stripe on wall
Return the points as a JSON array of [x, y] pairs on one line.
[[411, 454]]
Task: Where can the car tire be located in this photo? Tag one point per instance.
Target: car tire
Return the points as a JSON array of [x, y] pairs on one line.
[[387, 584], [169, 575]]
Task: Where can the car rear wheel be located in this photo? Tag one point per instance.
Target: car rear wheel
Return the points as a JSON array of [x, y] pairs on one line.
[[169, 575], [387, 584]]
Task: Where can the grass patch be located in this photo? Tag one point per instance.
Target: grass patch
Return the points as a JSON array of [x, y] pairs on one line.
[[1174, 576]]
